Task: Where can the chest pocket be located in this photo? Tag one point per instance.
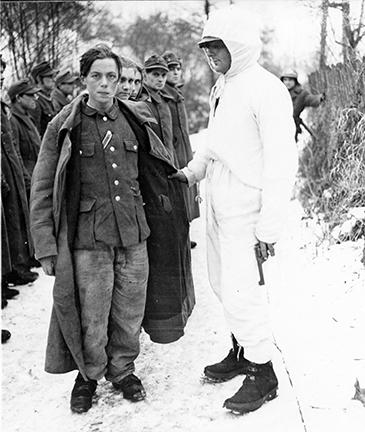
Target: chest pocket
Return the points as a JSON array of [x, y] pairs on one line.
[[131, 145], [131, 152], [87, 147]]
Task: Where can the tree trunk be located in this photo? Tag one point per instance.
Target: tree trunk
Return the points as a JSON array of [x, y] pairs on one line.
[[323, 49], [346, 31]]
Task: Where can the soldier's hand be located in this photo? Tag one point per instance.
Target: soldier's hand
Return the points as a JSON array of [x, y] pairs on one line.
[[179, 175], [48, 265], [266, 250]]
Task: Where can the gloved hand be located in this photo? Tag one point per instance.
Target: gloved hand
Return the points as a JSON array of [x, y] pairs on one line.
[[48, 264], [179, 175]]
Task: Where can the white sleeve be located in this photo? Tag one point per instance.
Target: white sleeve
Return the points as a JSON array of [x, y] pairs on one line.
[[277, 130], [197, 167]]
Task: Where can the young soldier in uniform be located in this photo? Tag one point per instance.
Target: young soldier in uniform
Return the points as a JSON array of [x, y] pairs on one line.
[[43, 76]]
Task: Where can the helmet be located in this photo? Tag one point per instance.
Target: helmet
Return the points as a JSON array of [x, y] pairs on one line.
[[289, 73]]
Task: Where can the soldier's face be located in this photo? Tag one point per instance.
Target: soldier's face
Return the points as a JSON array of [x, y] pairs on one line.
[[102, 83], [67, 88], [137, 84], [289, 83], [48, 82], [218, 56], [174, 74], [27, 101], [156, 79], [126, 84]]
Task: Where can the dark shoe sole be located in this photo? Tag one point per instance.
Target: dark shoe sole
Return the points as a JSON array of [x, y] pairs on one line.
[[214, 378], [242, 408]]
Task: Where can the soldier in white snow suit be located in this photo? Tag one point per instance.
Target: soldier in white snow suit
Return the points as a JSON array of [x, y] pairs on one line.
[[249, 162]]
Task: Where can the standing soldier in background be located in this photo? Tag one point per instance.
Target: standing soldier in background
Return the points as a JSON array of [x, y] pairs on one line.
[[126, 84], [62, 94], [180, 128], [15, 214], [26, 136], [155, 75], [43, 75], [301, 99]]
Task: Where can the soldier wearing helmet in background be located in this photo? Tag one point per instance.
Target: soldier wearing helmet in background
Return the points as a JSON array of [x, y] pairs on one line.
[[301, 98]]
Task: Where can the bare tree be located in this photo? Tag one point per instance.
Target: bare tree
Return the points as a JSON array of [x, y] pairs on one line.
[[37, 31], [351, 36], [323, 49]]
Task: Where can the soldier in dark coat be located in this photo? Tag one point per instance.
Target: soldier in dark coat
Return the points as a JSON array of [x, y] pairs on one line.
[[155, 75], [301, 98], [44, 77], [15, 216], [180, 126], [26, 136], [62, 94], [170, 292], [86, 202]]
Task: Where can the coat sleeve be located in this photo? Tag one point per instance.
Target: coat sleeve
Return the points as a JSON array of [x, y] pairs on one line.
[[41, 207], [276, 128], [311, 100]]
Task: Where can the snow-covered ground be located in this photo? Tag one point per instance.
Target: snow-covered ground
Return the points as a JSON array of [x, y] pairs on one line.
[[317, 300]]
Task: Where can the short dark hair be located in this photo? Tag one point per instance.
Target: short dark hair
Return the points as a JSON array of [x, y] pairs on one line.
[[99, 52]]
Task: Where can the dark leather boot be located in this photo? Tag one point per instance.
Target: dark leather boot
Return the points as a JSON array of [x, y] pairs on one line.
[[131, 387], [259, 386], [82, 394], [232, 365]]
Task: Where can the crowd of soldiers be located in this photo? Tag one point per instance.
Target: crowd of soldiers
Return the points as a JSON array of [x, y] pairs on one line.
[[26, 110]]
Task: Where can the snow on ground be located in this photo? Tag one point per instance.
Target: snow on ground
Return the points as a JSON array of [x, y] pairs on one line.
[[317, 298]]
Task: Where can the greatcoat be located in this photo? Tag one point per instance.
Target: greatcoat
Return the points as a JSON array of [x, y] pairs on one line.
[[54, 209], [181, 143]]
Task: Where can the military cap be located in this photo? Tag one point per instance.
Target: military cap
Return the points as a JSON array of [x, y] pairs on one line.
[[65, 77], [156, 62], [42, 69], [171, 58], [21, 87], [206, 39]]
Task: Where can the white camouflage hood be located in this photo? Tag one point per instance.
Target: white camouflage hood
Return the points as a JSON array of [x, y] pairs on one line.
[[239, 30]]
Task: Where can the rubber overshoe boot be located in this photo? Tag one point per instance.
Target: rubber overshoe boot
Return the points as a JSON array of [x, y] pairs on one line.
[[232, 365], [259, 386], [82, 394], [132, 388]]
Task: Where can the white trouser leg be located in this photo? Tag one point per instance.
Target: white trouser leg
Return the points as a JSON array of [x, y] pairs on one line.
[[231, 218]]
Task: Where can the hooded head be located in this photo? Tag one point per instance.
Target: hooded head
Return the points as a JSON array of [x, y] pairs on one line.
[[239, 32]]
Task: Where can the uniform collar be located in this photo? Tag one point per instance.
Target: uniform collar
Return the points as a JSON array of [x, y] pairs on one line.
[[111, 113]]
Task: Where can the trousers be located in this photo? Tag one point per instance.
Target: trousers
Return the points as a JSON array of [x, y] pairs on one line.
[[112, 284], [232, 213]]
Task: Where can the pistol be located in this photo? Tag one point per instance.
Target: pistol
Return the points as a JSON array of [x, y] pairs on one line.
[[259, 260]]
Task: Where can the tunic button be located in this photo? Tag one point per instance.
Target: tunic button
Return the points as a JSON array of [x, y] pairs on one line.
[[105, 118], [80, 151], [112, 148], [116, 182], [114, 165], [135, 147], [117, 198]]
